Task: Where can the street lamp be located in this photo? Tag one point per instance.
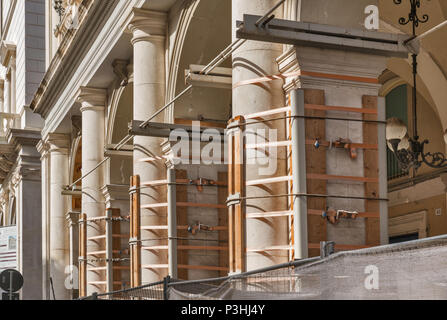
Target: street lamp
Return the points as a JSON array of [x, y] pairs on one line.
[[410, 151], [58, 6]]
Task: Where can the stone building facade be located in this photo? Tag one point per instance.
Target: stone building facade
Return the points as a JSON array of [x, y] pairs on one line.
[[73, 80]]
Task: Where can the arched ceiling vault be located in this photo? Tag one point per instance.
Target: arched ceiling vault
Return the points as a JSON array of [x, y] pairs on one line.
[[433, 56]]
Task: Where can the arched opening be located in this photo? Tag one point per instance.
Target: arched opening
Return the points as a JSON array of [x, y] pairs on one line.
[[399, 105], [121, 114], [208, 33], [77, 173], [12, 212]]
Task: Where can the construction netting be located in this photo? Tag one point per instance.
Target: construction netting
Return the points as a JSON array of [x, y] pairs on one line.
[[411, 270]]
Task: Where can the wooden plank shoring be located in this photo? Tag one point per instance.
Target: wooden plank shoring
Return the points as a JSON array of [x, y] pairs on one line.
[[371, 169], [135, 233], [315, 164], [83, 256]]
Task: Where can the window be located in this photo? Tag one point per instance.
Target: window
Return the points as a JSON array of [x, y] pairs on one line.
[[396, 107]]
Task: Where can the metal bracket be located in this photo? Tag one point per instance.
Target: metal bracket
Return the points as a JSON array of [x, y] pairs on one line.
[[234, 199], [322, 36], [133, 190], [163, 130], [327, 248]]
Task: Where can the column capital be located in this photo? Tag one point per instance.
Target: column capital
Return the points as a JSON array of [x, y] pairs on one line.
[[92, 98], [54, 142], [42, 148], [147, 25]]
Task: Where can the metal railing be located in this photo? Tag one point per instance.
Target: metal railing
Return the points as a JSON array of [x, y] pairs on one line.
[[161, 290]]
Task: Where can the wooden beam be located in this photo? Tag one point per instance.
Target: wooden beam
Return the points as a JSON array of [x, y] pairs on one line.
[[182, 219], [314, 176], [83, 256], [315, 164], [341, 108], [239, 187], [371, 169], [319, 213], [231, 210], [327, 144], [135, 233], [266, 113], [222, 195]]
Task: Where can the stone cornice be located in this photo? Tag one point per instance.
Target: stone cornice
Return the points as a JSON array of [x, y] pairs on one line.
[[28, 168], [70, 54], [23, 137], [20, 165]]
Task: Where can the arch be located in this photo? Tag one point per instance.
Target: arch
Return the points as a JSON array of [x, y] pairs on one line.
[[120, 111], [184, 20], [204, 29], [119, 168], [75, 159], [75, 169], [390, 85], [12, 211]]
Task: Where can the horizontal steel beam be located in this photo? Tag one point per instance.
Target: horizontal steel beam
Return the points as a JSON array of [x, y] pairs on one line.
[[163, 130], [323, 36]]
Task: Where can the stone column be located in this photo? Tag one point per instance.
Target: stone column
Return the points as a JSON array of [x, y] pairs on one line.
[[7, 94], [43, 149], [26, 183], [13, 85], [252, 60], [93, 130], [148, 29], [59, 258]]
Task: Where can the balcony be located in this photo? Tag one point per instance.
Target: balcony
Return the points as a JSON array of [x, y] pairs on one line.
[[8, 121]]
